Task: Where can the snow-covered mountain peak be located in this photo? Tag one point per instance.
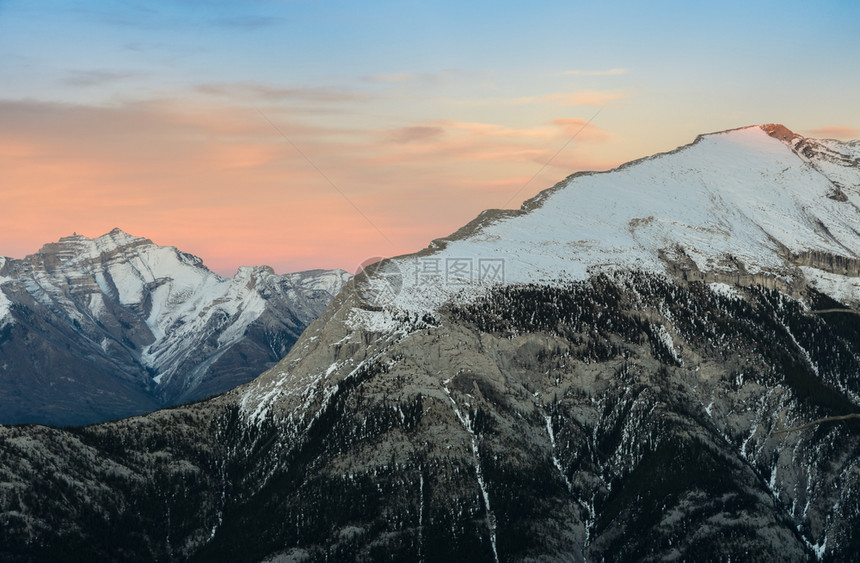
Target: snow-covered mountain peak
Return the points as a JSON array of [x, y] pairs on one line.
[[119, 238], [162, 311], [756, 201], [118, 245], [78, 247]]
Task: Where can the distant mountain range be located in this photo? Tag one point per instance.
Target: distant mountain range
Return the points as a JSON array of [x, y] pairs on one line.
[[96, 329], [637, 365]]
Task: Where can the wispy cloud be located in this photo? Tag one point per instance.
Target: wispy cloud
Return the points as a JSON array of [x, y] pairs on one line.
[[583, 130], [609, 72], [124, 15], [255, 91], [582, 98], [395, 78], [95, 77], [438, 77], [445, 141], [590, 98], [187, 15], [835, 132], [414, 133]]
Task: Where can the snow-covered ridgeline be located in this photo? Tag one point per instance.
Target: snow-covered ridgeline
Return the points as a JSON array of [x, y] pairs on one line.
[[740, 200], [176, 306]]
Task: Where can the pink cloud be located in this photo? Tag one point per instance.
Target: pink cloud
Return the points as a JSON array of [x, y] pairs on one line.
[[583, 130], [583, 98], [417, 133], [835, 132]]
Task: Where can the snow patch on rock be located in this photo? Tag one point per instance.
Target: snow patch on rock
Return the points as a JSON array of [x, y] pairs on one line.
[[5, 305]]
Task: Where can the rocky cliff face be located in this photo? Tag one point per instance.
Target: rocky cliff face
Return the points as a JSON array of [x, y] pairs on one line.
[[609, 397], [94, 329]]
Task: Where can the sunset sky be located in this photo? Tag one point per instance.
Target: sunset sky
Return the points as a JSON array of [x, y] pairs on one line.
[[304, 134]]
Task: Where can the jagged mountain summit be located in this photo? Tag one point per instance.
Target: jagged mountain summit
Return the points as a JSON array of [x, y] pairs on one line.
[[94, 329], [611, 373]]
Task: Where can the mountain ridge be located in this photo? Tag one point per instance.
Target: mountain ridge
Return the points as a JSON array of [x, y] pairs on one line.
[[662, 235], [154, 316], [487, 216]]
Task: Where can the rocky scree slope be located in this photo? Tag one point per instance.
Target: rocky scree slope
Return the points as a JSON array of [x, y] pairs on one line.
[[619, 394], [94, 329]]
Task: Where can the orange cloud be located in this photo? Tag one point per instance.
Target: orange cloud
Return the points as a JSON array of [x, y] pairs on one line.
[[591, 98], [583, 130], [835, 132], [475, 141]]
